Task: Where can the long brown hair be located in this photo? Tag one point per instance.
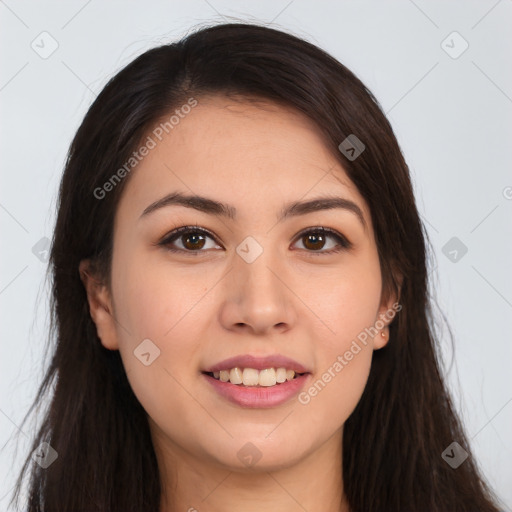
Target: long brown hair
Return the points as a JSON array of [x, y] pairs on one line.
[[393, 441]]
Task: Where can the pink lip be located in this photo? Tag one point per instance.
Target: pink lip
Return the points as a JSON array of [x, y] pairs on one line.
[[258, 363], [258, 397]]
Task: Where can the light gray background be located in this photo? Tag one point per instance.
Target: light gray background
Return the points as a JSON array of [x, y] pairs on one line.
[[452, 117]]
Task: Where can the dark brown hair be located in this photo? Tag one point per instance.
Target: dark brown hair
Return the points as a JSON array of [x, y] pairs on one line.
[[393, 441]]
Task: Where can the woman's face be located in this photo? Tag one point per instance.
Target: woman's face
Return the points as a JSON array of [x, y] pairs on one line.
[[263, 283]]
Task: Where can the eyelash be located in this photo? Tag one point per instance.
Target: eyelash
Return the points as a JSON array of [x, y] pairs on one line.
[[343, 243]]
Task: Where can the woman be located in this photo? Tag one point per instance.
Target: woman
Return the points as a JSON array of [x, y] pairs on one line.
[[240, 297]]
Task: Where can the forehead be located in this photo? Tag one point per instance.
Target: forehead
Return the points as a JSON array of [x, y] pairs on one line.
[[244, 152]]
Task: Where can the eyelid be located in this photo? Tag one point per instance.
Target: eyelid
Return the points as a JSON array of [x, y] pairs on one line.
[[343, 242], [177, 232]]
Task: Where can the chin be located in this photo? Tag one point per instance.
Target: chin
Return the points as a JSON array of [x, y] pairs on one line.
[[258, 453]]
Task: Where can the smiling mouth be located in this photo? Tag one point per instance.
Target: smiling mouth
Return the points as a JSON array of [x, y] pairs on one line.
[[250, 377]]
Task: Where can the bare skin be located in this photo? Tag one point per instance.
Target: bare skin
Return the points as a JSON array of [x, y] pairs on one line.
[[201, 306]]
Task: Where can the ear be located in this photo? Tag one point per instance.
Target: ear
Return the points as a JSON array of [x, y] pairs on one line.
[[100, 306], [389, 308]]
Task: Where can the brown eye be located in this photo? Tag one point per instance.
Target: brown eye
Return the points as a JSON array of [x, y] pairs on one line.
[[314, 240], [193, 241], [189, 239]]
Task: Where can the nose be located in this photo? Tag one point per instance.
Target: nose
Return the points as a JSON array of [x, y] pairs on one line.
[[257, 297]]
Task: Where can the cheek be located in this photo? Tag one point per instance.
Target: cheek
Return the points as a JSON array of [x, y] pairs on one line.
[[336, 388], [348, 304], [153, 305], [342, 366], [345, 300], [154, 301]]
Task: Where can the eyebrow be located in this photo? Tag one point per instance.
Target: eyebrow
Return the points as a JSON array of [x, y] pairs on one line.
[[293, 209]]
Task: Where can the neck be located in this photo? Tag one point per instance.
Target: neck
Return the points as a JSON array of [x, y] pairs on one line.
[[314, 483]]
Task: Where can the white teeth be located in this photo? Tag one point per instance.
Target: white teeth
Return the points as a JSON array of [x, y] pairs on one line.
[[235, 376], [252, 377], [281, 375], [267, 377]]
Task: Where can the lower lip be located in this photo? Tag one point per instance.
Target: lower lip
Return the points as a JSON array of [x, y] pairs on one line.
[[256, 396]]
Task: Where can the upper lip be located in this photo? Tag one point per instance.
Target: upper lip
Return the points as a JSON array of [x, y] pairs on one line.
[[258, 363]]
